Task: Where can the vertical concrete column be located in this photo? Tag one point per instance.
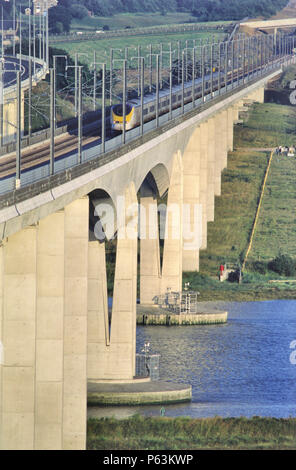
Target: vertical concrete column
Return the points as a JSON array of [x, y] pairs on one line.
[[218, 153], [235, 112], [250, 97], [49, 375], [75, 324], [192, 209], [122, 354], [97, 318], [230, 119], [18, 337], [211, 169], [1, 346], [10, 112], [173, 243], [224, 141], [204, 133], [150, 272], [261, 95]]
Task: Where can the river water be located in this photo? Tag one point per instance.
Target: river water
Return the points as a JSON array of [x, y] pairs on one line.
[[242, 368]]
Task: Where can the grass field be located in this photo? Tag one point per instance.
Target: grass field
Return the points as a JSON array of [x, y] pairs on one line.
[[184, 433], [288, 12], [102, 46], [276, 227], [273, 125], [134, 20], [234, 211], [267, 125]]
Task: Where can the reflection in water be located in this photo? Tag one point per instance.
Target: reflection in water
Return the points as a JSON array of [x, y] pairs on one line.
[[238, 369]]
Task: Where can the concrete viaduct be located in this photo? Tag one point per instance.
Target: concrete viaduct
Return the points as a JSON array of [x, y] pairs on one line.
[[54, 329], [8, 115]]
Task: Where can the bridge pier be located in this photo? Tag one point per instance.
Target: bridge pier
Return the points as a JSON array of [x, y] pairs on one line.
[[49, 374], [155, 280], [192, 220], [98, 336], [173, 243], [212, 164], [150, 270], [219, 150], [230, 121], [122, 355], [43, 318], [10, 118], [18, 273], [224, 141], [75, 324], [204, 138], [113, 358], [261, 95]]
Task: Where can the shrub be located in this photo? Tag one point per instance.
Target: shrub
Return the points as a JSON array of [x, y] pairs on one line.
[[259, 267], [283, 265]]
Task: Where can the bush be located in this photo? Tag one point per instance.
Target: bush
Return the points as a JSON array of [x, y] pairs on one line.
[[259, 267], [283, 265], [78, 11]]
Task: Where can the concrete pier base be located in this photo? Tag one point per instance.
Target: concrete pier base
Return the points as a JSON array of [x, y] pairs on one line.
[[160, 316], [137, 393]]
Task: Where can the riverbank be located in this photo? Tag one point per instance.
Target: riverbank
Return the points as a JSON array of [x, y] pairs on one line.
[[163, 433], [266, 126], [255, 287]]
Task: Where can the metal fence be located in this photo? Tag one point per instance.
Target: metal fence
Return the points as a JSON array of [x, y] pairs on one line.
[[71, 160], [178, 302], [147, 365], [162, 29]]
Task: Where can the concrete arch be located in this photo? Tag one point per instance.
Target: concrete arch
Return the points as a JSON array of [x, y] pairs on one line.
[[160, 179], [102, 215]]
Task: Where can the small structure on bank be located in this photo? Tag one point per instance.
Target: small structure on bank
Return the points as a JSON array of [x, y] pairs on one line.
[[184, 302], [179, 308], [231, 272]]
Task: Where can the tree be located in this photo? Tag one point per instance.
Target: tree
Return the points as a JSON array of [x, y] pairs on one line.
[[204, 10], [78, 11], [59, 14]]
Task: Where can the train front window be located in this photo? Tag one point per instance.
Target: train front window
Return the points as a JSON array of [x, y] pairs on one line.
[[118, 109]]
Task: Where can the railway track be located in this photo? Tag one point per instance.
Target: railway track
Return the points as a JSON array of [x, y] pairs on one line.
[[40, 153]]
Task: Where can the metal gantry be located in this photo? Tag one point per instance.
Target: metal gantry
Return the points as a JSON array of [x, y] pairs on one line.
[[219, 66], [103, 105]]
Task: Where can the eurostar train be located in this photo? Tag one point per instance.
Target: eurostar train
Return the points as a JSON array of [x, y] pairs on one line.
[[133, 107]]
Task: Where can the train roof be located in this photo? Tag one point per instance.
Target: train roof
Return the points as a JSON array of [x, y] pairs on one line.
[[136, 102]]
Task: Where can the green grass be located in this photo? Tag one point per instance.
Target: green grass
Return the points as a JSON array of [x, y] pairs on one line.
[[267, 125], [234, 211], [134, 20], [271, 125], [102, 46], [142, 433], [276, 228], [255, 287]]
